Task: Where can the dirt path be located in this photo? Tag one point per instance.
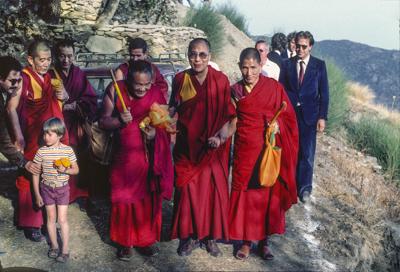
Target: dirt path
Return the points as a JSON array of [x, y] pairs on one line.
[[327, 234]]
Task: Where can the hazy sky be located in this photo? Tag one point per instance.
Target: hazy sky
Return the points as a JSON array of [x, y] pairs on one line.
[[373, 22]]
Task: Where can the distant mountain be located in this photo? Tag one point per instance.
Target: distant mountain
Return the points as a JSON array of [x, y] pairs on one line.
[[378, 68]]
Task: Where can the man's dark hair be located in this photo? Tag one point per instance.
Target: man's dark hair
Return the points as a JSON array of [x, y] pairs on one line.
[[261, 41], [278, 42], [137, 43], [196, 41], [8, 64], [139, 66], [291, 36], [38, 45], [249, 53], [305, 35], [63, 43]]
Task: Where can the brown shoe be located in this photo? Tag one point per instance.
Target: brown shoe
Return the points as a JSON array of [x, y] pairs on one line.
[[243, 253], [265, 253], [212, 248], [187, 246]]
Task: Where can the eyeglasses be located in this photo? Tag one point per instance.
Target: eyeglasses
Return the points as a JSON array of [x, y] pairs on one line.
[[201, 55], [14, 81], [303, 46]]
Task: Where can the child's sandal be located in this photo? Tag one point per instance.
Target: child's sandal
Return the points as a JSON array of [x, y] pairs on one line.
[[63, 258], [53, 253]]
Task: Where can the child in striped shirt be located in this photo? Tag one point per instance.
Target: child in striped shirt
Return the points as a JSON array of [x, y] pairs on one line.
[[57, 161]]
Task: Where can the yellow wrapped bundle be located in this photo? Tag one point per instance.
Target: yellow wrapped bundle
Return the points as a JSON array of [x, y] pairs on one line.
[[62, 162], [159, 118], [56, 83]]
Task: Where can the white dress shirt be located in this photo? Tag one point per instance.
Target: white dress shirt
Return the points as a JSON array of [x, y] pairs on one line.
[[271, 69]]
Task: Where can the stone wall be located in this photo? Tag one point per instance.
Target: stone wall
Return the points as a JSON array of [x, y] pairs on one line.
[[80, 11], [113, 39]]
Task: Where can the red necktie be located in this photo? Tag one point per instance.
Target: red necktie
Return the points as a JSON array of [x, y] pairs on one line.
[[301, 73]]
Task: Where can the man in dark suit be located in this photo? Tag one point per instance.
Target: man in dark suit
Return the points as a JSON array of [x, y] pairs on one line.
[[306, 82], [278, 45]]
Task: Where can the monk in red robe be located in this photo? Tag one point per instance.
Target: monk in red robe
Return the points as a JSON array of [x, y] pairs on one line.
[[255, 211], [141, 170], [81, 106], [37, 101], [138, 51], [201, 97]]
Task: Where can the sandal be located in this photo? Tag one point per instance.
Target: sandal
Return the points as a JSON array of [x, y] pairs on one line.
[[266, 253], [243, 253], [53, 253], [63, 258]]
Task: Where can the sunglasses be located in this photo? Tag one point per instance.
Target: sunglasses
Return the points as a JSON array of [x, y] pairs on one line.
[[14, 81], [303, 46], [201, 55]]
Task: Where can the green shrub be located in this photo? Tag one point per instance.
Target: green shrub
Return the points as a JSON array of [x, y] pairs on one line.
[[232, 14], [381, 139], [206, 19], [338, 98]]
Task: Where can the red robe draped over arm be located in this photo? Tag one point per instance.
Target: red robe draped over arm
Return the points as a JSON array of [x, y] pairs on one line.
[[254, 111], [200, 118], [256, 211], [130, 179]]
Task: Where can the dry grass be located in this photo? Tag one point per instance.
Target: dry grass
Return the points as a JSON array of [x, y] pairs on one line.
[[357, 185], [362, 101], [361, 92]]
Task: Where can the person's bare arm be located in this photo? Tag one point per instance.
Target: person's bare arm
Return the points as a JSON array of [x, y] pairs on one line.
[[107, 121], [38, 197], [12, 106], [119, 75]]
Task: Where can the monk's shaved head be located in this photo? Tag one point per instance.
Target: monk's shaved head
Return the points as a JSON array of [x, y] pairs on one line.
[[249, 53], [197, 41], [38, 46]]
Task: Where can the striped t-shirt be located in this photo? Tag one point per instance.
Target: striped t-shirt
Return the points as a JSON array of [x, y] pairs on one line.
[[46, 156]]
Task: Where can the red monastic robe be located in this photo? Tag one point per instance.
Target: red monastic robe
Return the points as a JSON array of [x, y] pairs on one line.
[[35, 108], [201, 196], [256, 211], [158, 79], [79, 90], [139, 182]]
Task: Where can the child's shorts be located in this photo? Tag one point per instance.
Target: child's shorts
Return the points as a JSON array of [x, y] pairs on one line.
[[58, 195]]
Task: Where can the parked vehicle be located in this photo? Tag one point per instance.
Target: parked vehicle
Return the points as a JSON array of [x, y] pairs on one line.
[[97, 68]]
